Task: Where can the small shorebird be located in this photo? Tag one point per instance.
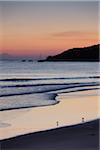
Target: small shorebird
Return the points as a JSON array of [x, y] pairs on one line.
[[57, 123], [83, 120]]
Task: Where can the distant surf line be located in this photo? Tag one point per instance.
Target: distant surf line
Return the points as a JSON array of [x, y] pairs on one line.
[[32, 79], [65, 86]]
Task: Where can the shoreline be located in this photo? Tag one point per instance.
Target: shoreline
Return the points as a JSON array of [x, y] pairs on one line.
[[54, 95], [14, 123], [51, 129], [76, 137]]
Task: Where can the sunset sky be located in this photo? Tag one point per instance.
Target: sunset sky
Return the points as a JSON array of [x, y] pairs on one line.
[[47, 28]]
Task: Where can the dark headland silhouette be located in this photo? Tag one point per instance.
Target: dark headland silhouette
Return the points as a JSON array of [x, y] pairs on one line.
[[90, 53]]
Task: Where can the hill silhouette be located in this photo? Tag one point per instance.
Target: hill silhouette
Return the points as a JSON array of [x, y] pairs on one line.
[[90, 53]]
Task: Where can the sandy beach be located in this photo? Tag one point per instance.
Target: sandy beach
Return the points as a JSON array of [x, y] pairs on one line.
[[78, 137], [70, 110]]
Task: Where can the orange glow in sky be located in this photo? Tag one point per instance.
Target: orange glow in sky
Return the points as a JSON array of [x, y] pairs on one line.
[[47, 28]]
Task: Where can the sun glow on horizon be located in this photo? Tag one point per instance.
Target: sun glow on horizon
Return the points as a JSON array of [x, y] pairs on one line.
[[47, 28]]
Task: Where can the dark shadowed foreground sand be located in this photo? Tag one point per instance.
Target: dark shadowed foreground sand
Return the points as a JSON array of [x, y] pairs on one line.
[[78, 137]]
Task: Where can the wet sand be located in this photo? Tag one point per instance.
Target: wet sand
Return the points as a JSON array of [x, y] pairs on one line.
[[55, 127], [78, 137]]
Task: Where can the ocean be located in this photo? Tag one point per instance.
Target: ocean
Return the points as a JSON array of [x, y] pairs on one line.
[[34, 84]]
